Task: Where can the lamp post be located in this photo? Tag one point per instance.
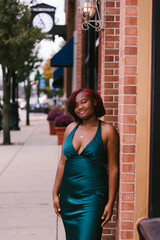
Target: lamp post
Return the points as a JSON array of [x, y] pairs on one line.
[[14, 115], [38, 78]]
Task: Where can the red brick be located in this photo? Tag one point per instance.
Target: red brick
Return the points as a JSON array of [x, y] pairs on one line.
[[129, 109], [108, 72], [128, 138], [130, 80], [112, 25], [116, 58], [131, 20], [112, 11], [109, 4], [127, 216], [130, 50], [130, 119], [112, 39], [111, 105], [128, 168], [128, 178], [111, 78], [132, 31], [132, 2], [117, 4], [111, 91], [108, 85], [128, 158], [117, 18], [127, 187], [111, 65], [128, 148], [109, 18], [127, 206], [110, 118], [131, 11], [127, 197], [116, 72], [109, 45], [131, 41], [130, 60], [127, 128], [108, 58], [107, 231], [108, 31], [108, 98], [130, 89], [127, 99], [127, 225], [110, 224], [127, 235], [109, 112]]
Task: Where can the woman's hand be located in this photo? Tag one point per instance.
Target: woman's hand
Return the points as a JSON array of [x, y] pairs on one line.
[[56, 205], [107, 214]]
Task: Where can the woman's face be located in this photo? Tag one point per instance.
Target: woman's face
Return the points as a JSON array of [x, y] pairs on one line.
[[84, 106]]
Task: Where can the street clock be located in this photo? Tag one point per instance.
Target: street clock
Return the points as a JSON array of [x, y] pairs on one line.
[[43, 18], [43, 21]]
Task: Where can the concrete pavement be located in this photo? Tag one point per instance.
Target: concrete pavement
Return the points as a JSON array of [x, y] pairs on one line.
[[27, 171]]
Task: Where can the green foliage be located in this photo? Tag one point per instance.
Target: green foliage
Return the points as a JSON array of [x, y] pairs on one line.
[[17, 36], [17, 42]]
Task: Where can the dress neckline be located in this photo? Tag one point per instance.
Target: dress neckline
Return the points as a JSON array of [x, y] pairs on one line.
[[74, 130]]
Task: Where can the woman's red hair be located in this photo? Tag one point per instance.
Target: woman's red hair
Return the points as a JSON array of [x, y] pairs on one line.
[[99, 108]]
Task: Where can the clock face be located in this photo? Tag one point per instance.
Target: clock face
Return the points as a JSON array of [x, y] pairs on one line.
[[43, 21]]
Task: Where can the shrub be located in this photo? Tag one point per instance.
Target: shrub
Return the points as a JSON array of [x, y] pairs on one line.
[[63, 120], [53, 113]]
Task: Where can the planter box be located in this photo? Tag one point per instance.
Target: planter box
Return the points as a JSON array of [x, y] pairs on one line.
[[52, 130], [60, 133]]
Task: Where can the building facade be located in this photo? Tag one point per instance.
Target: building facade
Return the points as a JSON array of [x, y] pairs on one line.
[[125, 73]]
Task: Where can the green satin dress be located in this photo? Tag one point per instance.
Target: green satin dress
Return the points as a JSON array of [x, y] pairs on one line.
[[84, 188]]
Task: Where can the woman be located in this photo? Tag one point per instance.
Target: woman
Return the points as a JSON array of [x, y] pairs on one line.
[[87, 176]]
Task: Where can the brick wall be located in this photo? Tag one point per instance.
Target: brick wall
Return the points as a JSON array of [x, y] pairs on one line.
[[80, 47], [109, 61], [70, 15], [127, 116], [108, 81]]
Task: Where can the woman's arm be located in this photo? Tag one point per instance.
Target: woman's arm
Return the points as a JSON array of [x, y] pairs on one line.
[[113, 155], [57, 183], [59, 174]]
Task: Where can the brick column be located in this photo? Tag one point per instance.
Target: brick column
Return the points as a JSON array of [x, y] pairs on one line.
[[109, 46], [80, 47], [70, 14], [127, 116], [108, 81]]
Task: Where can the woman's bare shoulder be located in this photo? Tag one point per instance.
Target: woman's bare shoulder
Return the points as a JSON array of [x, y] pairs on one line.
[[108, 129], [69, 128]]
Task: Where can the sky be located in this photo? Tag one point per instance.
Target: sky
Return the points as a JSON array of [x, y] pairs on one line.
[[48, 47]]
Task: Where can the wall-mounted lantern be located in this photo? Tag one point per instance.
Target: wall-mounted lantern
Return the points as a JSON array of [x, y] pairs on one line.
[[88, 9]]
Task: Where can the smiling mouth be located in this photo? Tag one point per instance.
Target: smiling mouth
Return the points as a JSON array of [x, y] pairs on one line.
[[81, 112]]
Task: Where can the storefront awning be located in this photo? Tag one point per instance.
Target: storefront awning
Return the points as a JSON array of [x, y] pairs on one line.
[[64, 58], [59, 72]]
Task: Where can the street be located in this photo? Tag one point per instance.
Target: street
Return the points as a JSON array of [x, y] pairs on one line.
[[27, 171]]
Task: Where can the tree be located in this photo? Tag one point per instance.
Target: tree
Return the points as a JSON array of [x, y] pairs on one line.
[[17, 39], [32, 62], [48, 73]]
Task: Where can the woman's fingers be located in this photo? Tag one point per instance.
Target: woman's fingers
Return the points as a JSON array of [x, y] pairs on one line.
[[106, 216], [57, 210], [56, 205]]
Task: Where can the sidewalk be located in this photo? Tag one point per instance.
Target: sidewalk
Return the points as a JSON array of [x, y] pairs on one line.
[[27, 171]]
